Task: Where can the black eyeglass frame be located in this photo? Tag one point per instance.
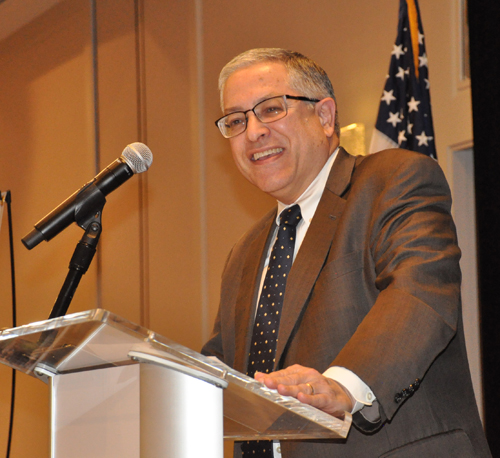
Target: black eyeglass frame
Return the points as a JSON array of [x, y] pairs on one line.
[[293, 97]]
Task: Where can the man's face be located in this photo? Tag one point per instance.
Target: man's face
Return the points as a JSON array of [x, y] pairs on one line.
[[280, 158]]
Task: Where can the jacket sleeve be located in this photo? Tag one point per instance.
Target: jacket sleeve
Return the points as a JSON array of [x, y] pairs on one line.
[[416, 261]]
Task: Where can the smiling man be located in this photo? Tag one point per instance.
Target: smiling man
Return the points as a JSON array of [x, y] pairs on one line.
[[284, 156], [347, 295]]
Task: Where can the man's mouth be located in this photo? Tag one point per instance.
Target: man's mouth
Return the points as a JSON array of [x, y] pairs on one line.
[[267, 153]]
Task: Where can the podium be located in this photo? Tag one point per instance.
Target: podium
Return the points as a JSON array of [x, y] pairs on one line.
[[118, 389]]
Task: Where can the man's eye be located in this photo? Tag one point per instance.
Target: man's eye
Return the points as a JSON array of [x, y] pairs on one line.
[[273, 110], [234, 122]]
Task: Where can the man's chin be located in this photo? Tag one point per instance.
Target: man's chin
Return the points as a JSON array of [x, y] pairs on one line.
[[280, 193]]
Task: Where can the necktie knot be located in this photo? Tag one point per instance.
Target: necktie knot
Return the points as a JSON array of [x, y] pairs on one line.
[[291, 216]]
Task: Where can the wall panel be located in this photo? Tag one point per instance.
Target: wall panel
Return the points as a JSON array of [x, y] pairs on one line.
[[46, 129], [174, 192], [119, 251]]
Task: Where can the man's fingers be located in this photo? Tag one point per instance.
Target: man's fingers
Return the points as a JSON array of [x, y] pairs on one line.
[[292, 375], [293, 390], [308, 386]]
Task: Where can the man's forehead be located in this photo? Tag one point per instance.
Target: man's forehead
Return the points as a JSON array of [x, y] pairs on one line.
[[254, 83]]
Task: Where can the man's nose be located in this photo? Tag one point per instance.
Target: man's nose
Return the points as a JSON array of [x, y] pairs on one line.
[[255, 127]]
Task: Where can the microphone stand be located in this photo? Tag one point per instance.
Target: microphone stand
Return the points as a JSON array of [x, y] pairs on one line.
[[80, 262]]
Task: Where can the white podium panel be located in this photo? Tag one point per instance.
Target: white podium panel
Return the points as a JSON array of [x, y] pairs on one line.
[[96, 413], [181, 415]]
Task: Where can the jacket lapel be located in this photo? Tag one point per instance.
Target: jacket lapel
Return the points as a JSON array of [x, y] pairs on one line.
[[246, 300], [315, 248]]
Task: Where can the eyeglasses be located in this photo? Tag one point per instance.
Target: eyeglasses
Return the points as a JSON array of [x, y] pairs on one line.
[[267, 111]]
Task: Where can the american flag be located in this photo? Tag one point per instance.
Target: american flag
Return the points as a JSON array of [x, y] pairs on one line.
[[404, 118]]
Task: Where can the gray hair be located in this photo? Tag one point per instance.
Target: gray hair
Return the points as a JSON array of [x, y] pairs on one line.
[[305, 76]]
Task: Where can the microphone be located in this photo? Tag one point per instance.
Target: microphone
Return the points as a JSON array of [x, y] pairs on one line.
[[82, 205]]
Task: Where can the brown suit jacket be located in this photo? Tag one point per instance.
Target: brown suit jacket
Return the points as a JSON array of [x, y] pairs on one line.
[[375, 288]]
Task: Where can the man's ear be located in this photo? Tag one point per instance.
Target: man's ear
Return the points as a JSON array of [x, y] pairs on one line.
[[326, 110]]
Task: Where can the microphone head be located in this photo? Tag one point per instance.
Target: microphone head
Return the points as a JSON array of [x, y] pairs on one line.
[[138, 157]]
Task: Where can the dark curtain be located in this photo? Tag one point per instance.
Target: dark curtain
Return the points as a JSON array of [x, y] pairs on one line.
[[484, 35]]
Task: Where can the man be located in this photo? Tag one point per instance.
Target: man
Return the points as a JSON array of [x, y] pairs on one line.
[[371, 319]]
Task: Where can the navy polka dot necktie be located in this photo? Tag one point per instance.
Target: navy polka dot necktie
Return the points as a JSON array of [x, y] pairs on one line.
[[267, 320]]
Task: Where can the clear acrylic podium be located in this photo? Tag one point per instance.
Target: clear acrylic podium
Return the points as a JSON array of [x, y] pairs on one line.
[[118, 389]]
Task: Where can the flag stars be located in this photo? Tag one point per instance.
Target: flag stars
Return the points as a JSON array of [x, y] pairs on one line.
[[401, 137], [394, 119], [397, 51], [388, 96], [423, 139], [404, 103], [402, 72], [413, 105], [422, 60]]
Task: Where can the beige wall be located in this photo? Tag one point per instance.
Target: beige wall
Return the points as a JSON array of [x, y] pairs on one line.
[[167, 232]]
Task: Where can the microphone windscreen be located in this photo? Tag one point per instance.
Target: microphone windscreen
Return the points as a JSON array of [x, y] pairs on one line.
[[138, 157]]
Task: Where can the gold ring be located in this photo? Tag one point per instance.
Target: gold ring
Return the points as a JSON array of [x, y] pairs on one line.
[[312, 389]]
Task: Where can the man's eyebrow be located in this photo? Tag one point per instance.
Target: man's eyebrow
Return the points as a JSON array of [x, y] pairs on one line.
[[232, 110], [239, 108]]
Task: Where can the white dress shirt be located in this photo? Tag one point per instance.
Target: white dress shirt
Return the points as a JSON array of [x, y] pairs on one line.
[[308, 201]]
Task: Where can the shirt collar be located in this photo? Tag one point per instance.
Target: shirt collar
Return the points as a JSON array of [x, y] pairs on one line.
[[310, 198]]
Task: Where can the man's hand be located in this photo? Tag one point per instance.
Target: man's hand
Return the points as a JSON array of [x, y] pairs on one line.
[[309, 387]]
